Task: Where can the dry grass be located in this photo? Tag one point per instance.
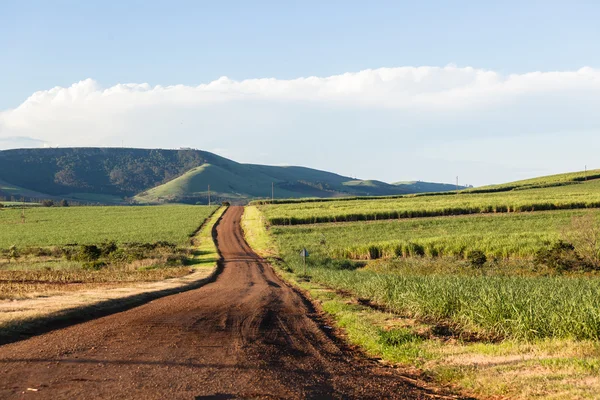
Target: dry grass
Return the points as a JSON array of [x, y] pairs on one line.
[[551, 369], [28, 284]]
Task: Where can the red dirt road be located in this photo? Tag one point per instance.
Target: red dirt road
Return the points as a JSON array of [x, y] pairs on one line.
[[246, 335]]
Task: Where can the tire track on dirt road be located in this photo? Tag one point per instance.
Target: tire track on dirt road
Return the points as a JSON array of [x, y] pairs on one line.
[[246, 335]]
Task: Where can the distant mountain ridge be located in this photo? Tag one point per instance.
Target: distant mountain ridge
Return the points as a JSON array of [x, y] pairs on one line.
[[109, 175]]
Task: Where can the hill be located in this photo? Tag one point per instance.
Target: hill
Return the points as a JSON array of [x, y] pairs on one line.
[[110, 175], [91, 172], [234, 181]]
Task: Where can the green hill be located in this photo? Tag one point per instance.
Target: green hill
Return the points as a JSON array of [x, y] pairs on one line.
[[234, 181], [112, 175]]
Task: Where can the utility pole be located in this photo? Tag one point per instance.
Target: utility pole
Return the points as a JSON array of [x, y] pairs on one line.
[[22, 210], [456, 184], [209, 195], [585, 173], [272, 192]]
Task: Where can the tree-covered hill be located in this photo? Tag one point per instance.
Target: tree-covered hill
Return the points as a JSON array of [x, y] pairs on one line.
[[111, 171]]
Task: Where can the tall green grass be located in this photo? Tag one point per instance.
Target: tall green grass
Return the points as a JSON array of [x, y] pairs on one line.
[[508, 307], [500, 235], [495, 303], [580, 196]]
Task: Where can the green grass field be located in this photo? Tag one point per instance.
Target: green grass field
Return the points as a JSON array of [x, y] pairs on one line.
[[505, 307], [140, 244], [550, 180], [497, 235], [86, 225], [497, 304], [575, 196]]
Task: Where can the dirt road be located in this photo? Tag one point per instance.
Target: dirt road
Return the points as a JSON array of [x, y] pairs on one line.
[[246, 335]]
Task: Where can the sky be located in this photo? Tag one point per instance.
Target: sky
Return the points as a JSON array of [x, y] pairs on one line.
[[390, 90]]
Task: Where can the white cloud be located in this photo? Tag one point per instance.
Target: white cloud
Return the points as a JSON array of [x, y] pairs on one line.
[[327, 122], [8, 142]]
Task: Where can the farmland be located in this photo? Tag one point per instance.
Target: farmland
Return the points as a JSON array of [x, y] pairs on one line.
[[573, 196], [408, 291], [543, 181], [497, 235], [73, 248], [86, 225], [508, 306]]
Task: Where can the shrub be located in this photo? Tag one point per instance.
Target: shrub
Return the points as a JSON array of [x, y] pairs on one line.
[[176, 260], [47, 203], [120, 256], [64, 203], [477, 258], [89, 252], [163, 245], [107, 248], [560, 257], [226, 204], [68, 251], [13, 252], [38, 251]]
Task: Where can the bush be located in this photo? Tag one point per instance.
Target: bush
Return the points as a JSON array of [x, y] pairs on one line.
[[176, 260], [13, 252], [477, 258], [162, 244], [561, 257], [64, 203], [68, 251], [38, 251], [47, 203], [107, 248], [89, 252], [120, 256], [226, 204]]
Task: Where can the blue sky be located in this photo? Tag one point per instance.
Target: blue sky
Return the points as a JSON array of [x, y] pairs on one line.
[[60, 43]]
